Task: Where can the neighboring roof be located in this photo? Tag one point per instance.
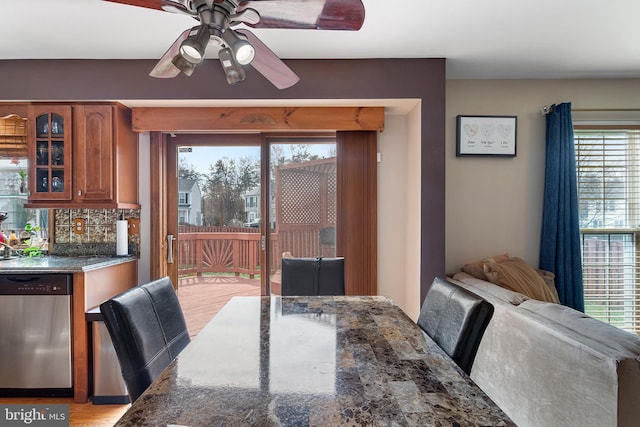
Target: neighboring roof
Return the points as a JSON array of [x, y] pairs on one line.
[[253, 192], [186, 185]]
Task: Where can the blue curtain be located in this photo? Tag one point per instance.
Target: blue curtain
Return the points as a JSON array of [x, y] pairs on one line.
[[560, 240]]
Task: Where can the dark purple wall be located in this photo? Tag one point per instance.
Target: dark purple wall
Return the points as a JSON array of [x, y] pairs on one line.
[[76, 80]]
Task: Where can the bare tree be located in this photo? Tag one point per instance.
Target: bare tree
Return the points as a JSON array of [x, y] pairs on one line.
[[224, 186]]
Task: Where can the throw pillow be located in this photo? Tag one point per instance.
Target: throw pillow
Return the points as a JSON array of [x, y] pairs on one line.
[[518, 276], [550, 279], [475, 268]]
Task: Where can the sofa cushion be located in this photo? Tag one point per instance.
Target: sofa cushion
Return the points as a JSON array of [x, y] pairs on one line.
[[542, 373], [516, 275], [546, 364], [489, 291], [586, 329]]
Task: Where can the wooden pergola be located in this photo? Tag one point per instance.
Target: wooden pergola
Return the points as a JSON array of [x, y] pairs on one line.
[[305, 200]]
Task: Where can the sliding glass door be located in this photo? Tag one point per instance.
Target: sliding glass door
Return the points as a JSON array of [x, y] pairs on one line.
[[302, 200], [245, 199]]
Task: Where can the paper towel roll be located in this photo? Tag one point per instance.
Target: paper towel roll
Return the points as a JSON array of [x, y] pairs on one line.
[[122, 237]]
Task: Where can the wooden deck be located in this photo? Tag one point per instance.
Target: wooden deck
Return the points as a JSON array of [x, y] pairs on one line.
[[202, 297]]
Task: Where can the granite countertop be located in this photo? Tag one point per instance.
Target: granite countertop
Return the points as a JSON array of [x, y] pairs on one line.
[[58, 264], [313, 361]]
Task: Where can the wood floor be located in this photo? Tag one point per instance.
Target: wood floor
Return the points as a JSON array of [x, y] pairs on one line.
[[201, 298]]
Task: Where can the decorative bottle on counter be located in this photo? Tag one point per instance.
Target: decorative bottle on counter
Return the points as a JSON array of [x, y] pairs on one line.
[[13, 239]]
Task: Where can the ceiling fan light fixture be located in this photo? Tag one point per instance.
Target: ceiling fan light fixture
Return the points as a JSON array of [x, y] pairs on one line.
[[192, 49], [183, 65], [243, 51], [245, 54], [233, 70]]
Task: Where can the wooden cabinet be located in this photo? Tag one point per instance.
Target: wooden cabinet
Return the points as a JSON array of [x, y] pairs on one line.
[[90, 289], [106, 149], [101, 161], [49, 149]]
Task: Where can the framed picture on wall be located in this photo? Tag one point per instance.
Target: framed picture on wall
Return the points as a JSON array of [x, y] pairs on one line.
[[486, 136]]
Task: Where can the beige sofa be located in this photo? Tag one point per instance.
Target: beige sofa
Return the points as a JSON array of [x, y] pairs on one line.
[[547, 365]]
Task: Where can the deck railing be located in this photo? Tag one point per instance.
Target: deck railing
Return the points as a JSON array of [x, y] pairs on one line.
[[238, 251], [218, 253]]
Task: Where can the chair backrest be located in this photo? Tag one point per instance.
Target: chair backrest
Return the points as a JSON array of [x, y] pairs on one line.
[[312, 276], [299, 276], [148, 330], [455, 319], [331, 276]]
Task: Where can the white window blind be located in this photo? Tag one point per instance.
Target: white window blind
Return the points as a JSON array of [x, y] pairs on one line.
[[608, 169]]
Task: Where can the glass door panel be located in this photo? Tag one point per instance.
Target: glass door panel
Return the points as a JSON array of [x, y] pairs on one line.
[[219, 242], [51, 153], [302, 201]]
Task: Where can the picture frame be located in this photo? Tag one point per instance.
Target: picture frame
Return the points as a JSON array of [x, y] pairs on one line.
[[486, 136]]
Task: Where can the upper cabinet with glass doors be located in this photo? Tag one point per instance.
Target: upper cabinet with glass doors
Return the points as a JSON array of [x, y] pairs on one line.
[[50, 153], [82, 155]]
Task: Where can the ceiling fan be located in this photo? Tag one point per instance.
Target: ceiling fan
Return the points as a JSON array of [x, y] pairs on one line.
[[237, 48]]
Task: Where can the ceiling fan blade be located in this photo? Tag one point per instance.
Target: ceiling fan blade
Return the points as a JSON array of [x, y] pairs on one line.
[[247, 16], [165, 68], [308, 14], [268, 64], [149, 4], [176, 6]]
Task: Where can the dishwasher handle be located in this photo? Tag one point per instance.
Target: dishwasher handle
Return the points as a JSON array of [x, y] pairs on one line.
[[23, 279]]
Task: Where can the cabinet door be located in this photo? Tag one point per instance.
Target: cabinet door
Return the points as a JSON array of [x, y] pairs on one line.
[[94, 152], [50, 154]]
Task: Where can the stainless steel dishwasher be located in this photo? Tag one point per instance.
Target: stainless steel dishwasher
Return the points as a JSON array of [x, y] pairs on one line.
[[35, 335]]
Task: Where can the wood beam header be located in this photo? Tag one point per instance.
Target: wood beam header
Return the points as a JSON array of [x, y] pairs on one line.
[[202, 119]]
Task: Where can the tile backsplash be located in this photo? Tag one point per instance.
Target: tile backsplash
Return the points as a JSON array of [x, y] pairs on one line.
[[92, 231]]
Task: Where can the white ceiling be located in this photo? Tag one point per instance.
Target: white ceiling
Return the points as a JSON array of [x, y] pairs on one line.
[[480, 39]]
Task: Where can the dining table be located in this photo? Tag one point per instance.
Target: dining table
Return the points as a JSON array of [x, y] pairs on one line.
[[313, 361]]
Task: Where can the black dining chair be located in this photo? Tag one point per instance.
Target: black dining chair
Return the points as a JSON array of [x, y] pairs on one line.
[[312, 276], [148, 330], [331, 276], [455, 319]]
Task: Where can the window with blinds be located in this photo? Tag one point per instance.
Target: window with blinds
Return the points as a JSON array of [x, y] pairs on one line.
[[13, 136], [608, 169]]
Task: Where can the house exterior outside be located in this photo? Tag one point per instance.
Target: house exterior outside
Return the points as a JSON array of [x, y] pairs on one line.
[[189, 202], [252, 206], [252, 210]]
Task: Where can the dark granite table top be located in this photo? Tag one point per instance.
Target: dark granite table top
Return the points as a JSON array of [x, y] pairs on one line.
[[58, 264], [318, 361]]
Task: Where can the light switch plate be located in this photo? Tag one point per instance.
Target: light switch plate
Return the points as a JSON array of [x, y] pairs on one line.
[[134, 226]]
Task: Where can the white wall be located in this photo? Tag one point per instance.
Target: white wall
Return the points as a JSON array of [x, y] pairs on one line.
[[399, 210], [412, 243], [494, 205], [391, 232], [144, 193]]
